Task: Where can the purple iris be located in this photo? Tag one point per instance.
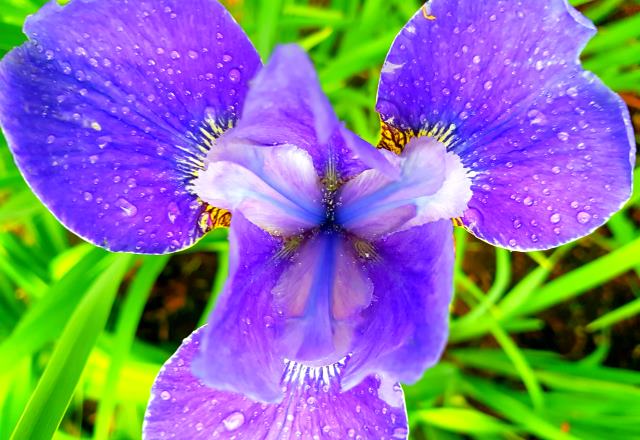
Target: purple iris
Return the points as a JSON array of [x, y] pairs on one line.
[[136, 130]]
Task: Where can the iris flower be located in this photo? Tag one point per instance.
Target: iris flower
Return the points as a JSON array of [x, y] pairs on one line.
[[143, 124]]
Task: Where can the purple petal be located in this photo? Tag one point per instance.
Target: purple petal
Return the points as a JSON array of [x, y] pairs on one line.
[[276, 188], [287, 106], [183, 407], [551, 147], [239, 352], [404, 331], [103, 109], [431, 185]]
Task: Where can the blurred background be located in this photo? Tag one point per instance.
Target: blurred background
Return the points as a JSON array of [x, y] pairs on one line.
[[544, 345]]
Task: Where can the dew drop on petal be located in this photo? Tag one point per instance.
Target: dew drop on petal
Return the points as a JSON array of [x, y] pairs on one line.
[[488, 85], [583, 217], [165, 395], [127, 207], [555, 218], [233, 421], [563, 136], [234, 75]]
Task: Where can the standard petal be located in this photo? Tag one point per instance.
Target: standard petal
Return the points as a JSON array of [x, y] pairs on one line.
[[183, 407], [276, 188], [431, 185], [501, 85], [110, 107], [287, 106], [404, 331]]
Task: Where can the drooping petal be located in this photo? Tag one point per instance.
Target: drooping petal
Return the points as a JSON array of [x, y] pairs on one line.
[[501, 85], [431, 185], [239, 352], [110, 107], [183, 407], [287, 106], [276, 188], [404, 330], [283, 300]]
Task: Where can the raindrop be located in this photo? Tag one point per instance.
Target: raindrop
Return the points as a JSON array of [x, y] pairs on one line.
[[555, 170], [219, 36], [127, 207], [563, 136], [583, 217], [234, 75], [174, 55], [517, 224], [233, 421], [192, 54], [555, 218], [528, 201], [513, 243], [226, 58], [488, 85], [572, 91], [88, 196], [50, 139], [199, 426], [476, 59], [165, 395]]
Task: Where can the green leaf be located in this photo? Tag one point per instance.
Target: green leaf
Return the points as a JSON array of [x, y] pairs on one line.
[[53, 393]]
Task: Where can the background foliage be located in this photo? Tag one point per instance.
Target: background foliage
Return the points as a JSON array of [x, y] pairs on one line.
[[543, 345]]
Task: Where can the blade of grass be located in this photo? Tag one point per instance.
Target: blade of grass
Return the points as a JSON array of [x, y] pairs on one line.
[[49, 401]]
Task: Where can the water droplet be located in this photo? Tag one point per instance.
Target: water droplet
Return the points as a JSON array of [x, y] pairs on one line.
[[555, 218], [351, 433], [555, 170], [476, 59], [165, 395], [268, 321], [233, 421], [234, 75], [528, 201], [536, 117], [127, 207], [563, 136], [583, 217], [446, 92], [517, 224], [488, 85], [226, 58], [199, 426], [400, 433], [87, 196], [49, 54], [513, 243], [192, 54], [174, 55], [50, 139], [572, 91]]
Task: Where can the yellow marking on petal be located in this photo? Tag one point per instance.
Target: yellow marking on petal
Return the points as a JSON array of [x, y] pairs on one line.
[[214, 218], [96, 126], [395, 139], [365, 249], [458, 222], [426, 12]]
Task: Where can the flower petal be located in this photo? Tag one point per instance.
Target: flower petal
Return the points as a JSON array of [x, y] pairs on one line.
[[431, 185], [239, 351], [404, 331], [551, 147], [276, 188], [103, 109], [287, 106], [183, 407]]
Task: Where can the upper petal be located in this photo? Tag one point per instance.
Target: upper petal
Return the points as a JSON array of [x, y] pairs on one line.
[[109, 109], [551, 147], [431, 184], [287, 106], [183, 407], [276, 188]]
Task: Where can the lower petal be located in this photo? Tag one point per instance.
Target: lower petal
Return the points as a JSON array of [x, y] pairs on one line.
[[404, 331], [313, 407]]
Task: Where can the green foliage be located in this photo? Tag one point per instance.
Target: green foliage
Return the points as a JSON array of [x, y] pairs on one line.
[[70, 314]]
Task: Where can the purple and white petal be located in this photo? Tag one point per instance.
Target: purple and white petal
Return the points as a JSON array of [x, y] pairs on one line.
[[276, 188], [404, 330], [109, 109], [286, 106], [501, 85], [313, 407], [431, 185]]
